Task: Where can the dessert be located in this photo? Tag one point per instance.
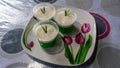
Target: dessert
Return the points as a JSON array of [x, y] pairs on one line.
[[44, 11], [46, 32], [65, 18]]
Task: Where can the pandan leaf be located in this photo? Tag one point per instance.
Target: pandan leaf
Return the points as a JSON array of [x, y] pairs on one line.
[[67, 12], [43, 10], [44, 28]]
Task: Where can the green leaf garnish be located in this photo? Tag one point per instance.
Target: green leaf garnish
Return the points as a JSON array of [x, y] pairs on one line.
[[44, 29], [43, 10], [67, 12]]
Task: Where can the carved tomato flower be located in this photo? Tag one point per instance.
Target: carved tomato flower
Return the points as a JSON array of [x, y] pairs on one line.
[[85, 28], [79, 39], [31, 44], [67, 40]]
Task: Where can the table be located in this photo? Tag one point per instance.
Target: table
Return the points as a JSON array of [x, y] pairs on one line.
[[15, 14]]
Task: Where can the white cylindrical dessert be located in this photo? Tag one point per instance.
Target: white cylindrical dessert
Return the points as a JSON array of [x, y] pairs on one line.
[[44, 11], [65, 21], [52, 32]]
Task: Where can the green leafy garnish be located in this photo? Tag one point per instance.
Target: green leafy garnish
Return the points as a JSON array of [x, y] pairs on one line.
[[43, 10], [44, 29], [67, 12]]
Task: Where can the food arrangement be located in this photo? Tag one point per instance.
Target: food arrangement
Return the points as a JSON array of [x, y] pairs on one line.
[[54, 25]]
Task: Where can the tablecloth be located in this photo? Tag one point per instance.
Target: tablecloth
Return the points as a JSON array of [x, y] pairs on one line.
[[15, 14]]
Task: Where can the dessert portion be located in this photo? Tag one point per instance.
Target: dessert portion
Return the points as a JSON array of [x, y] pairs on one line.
[[46, 32], [44, 11], [65, 17]]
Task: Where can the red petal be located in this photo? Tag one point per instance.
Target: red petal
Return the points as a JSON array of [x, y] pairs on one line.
[[85, 28], [79, 39], [67, 40], [31, 44]]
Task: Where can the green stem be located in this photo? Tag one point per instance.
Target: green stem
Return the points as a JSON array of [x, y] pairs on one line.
[[78, 56], [77, 59], [85, 40], [71, 51], [68, 54], [86, 48], [25, 39]]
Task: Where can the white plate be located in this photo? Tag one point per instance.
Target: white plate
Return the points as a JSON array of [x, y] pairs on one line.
[[59, 58]]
